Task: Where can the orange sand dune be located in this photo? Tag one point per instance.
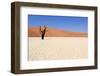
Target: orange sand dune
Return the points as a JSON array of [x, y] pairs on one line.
[[52, 32]]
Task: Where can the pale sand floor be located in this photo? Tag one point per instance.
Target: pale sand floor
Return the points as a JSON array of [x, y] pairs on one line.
[[58, 48]]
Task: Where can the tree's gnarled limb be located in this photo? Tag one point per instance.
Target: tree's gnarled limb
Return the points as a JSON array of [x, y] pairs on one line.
[[43, 31]]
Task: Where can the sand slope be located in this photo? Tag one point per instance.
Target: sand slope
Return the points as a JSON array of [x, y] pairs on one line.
[[52, 32]]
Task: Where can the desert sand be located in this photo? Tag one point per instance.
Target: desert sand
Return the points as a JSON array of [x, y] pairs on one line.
[[52, 48], [54, 32], [57, 44]]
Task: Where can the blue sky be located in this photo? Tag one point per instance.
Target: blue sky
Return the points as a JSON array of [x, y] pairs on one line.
[[69, 23]]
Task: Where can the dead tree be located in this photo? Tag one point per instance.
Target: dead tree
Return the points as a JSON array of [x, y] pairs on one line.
[[43, 31]]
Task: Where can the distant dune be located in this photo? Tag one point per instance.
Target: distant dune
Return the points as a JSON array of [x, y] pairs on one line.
[[53, 32]]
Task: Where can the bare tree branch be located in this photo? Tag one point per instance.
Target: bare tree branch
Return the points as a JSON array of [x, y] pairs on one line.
[[43, 31]]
